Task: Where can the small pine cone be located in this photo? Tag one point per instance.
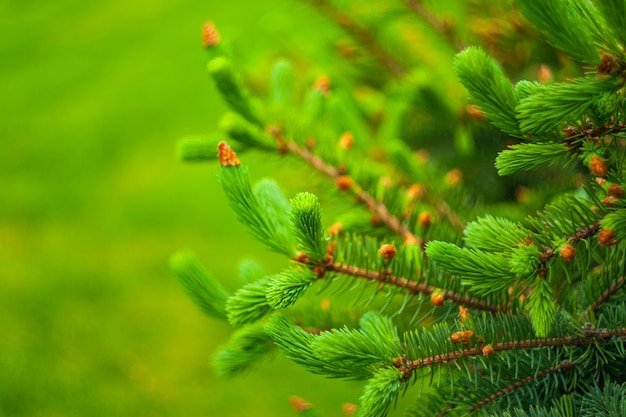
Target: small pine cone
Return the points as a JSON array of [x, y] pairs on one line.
[[616, 190], [597, 166], [346, 141], [488, 350], [437, 298], [567, 252], [606, 237], [210, 36], [344, 182], [424, 219], [387, 252]]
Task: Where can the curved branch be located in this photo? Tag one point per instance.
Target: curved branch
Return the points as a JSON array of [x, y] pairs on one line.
[[413, 287], [392, 222], [361, 35], [563, 366], [590, 336]]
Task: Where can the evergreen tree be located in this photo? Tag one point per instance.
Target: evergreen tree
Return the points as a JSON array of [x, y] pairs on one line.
[[505, 294]]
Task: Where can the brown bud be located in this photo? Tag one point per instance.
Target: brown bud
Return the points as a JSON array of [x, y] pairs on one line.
[[226, 156], [325, 304], [415, 192], [343, 182], [567, 252], [437, 298], [464, 314], [610, 201], [298, 404], [462, 337], [424, 219], [322, 84], [597, 166], [475, 111], [320, 271], [616, 190], [210, 36], [608, 64], [488, 350], [410, 239], [349, 409], [545, 74], [335, 229], [375, 220], [387, 252], [453, 177], [346, 141], [606, 237]]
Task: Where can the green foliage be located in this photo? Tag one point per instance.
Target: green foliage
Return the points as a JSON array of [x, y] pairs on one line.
[[306, 217], [200, 286], [260, 209], [500, 303], [488, 87], [247, 346]]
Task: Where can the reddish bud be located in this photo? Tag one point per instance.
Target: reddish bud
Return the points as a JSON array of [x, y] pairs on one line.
[[437, 298], [475, 111], [606, 237], [226, 156], [453, 177], [488, 350], [387, 252], [616, 190], [322, 84], [462, 337], [597, 166], [210, 35], [349, 409], [346, 141], [464, 314], [298, 404], [344, 182], [545, 74], [424, 219], [335, 229], [567, 252]]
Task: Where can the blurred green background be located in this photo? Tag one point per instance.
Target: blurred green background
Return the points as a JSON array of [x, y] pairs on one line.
[[94, 95]]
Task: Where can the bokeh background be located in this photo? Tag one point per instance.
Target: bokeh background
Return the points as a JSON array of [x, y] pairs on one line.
[[93, 97]]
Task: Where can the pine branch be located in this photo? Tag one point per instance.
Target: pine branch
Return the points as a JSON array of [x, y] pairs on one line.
[[361, 35], [562, 366], [589, 337], [438, 25], [342, 181], [606, 295], [413, 287]]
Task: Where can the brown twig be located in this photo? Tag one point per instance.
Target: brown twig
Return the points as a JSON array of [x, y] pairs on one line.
[[438, 25], [563, 366], [414, 287], [606, 295], [361, 35], [591, 336], [377, 208]]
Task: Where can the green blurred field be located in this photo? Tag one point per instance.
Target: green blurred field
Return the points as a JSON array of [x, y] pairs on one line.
[[93, 96]]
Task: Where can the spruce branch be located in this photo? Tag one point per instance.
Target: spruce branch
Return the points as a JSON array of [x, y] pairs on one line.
[[440, 26], [561, 367], [362, 35], [589, 337], [347, 183], [413, 287], [606, 295]]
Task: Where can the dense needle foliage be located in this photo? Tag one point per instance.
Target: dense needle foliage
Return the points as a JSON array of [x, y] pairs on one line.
[[504, 296]]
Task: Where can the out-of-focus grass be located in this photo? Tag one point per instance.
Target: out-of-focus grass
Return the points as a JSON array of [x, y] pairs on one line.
[[93, 96]]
